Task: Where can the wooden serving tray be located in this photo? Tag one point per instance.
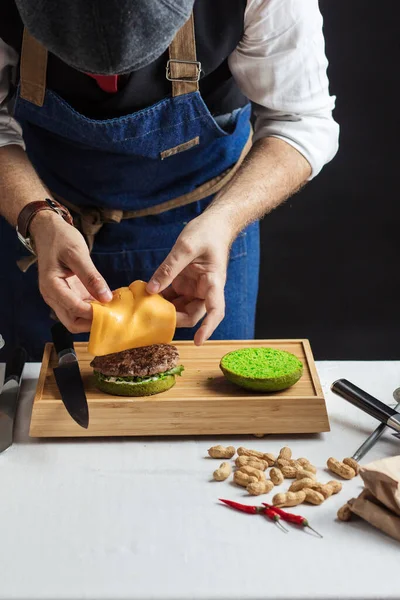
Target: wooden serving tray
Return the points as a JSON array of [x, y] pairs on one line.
[[202, 402]]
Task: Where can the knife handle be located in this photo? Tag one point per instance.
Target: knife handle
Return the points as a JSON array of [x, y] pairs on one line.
[[363, 400], [62, 338], [15, 365]]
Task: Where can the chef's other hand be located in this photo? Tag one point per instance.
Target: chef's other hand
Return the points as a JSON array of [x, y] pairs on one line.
[[68, 280], [195, 270]]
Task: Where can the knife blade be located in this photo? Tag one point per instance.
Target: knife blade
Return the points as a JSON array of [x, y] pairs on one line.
[[377, 434], [68, 376], [367, 403], [9, 396]]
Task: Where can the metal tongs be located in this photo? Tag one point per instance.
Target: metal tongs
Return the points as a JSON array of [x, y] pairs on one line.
[[389, 417]]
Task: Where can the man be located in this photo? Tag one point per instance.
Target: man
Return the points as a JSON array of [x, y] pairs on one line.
[[135, 115]]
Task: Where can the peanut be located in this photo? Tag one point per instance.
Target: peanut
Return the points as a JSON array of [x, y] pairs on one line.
[[344, 513], [243, 479], [282, 462], [312, 496], [295, 463], [340, 468], [246, 452], [352, 463], [223, 472], [241, 461], [285, 452], [310, 468], [221, 452], [301, 474], [289, 498], [276, 476], [303, 461], [327, 489], [260, 475], [270, 459], [300, 484], [289, 472], [260, 487], [335, 485]]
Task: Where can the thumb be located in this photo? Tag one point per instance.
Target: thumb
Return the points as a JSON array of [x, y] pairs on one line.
[[179, 258], [82, 266]]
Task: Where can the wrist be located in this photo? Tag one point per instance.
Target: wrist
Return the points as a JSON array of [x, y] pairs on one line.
[[37, 217], [41, 221], [222, 218]]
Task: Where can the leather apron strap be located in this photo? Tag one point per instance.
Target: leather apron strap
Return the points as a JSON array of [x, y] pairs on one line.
[[183, 70], [33, 69]]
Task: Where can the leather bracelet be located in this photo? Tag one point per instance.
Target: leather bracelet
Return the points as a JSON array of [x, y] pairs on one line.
[[33, 208]]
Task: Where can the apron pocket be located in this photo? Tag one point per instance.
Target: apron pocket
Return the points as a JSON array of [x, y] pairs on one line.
[[121, 268]]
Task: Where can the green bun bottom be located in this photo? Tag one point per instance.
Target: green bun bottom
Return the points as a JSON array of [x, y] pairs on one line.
[[130, 388], [262, 369]]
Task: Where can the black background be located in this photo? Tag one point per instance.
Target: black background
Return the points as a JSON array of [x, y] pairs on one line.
[[330, 255]]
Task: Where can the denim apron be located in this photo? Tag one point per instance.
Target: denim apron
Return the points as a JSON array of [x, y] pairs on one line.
[[135, 181]]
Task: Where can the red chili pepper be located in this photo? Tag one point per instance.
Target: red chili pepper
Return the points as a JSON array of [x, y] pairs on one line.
[[252, 510], [291, 517], [256, 510], [271, 514]]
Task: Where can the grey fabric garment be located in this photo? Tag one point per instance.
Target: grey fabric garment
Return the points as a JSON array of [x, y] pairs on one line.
[[105, 37]]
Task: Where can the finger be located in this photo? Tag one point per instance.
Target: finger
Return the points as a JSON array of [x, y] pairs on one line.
[[191, 315], [73, 325], [180, 256], [80, 263], [215, 307], [170, 294], [181, 302], [60, 296]]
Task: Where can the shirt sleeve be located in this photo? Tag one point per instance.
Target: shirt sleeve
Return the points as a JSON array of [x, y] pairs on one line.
[[10, 130], [281, 67]]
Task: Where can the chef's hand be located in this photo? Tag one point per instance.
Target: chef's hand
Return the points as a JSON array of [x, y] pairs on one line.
[[68, 280], [193, 275]]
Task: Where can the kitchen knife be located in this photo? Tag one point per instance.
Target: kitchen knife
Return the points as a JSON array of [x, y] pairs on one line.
[[377, 434], [367, 403], [9, 397], [68, 376]]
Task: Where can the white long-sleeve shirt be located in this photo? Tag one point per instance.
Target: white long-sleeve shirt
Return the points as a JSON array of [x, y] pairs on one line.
[[279, 64]]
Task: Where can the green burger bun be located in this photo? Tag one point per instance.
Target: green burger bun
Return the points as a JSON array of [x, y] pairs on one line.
[[262, 369], [147, 387]]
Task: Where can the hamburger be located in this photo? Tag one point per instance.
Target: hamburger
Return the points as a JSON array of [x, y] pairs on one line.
[[142, 371]]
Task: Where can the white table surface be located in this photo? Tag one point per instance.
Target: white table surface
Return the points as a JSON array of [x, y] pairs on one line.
[[140, 518]]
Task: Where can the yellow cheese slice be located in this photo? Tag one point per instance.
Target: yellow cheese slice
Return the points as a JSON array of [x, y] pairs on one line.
[[133, 318]]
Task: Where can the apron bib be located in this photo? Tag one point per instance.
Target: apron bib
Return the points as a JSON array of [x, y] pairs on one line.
[[133, 183]]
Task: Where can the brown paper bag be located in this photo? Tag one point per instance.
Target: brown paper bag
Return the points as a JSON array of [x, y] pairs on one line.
[[379, 502], [375, 513], [382, 479]]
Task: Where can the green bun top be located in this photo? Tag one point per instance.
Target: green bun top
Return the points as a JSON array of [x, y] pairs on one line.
[[262, 369]]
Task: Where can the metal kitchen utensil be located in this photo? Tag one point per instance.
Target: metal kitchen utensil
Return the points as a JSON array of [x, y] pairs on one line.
[[68, 376], [9, 397], [375, 435], [367, 403]]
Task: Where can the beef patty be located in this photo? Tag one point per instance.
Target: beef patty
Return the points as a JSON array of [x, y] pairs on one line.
[[137, 362]]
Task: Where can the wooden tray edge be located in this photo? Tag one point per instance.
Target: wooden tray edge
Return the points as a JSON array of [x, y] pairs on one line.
[[42, 378]]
